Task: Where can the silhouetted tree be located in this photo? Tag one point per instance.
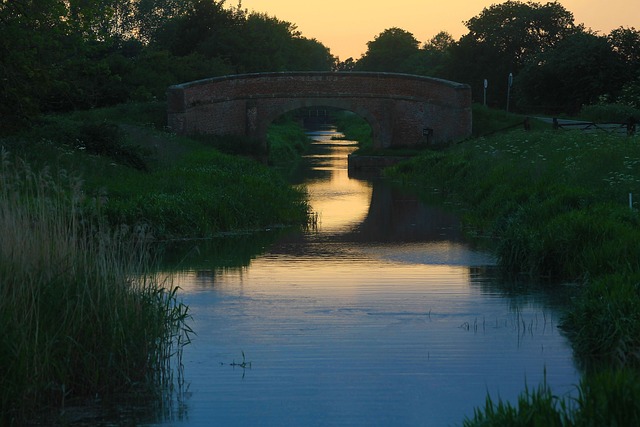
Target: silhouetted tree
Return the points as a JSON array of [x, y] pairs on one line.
[[501, 39], [435, 55], [578, 71], [393, 50]]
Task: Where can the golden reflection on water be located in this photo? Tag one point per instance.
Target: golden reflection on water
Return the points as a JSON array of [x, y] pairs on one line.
[[308, 275], [345, 205], [341, 202]]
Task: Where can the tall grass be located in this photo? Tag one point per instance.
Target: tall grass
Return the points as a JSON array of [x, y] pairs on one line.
[[607, 398], [535, 407], [80, 312], [287, 142]]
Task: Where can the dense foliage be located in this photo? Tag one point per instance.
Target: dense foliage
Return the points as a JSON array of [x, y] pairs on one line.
[[557, 65], [58, 55]]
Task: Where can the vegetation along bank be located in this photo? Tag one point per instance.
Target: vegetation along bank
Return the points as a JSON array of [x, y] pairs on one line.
[[556, 205], [82, 196]]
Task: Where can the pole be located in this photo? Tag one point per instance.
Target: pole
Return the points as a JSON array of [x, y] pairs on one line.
[[486, 83], [510, 83]]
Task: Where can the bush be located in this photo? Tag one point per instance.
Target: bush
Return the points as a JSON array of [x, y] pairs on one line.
[[609, 113], [100, 138]]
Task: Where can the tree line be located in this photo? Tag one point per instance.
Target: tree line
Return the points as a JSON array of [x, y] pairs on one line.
[[558, 66], [61, 55]]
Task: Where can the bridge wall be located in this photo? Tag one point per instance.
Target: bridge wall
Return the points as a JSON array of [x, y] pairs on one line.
[[403, 110]]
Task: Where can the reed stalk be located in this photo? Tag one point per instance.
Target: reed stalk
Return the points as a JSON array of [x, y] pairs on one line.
[[81, 311]]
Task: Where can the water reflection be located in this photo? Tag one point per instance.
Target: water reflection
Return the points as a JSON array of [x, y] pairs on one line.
[[384, 315]]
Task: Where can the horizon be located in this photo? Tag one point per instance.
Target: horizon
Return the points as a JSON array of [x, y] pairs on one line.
[[346, 34]]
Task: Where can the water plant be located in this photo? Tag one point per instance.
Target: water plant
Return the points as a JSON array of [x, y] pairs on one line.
[[82, 314]]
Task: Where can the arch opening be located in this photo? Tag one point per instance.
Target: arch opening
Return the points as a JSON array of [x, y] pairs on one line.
[[283, 132]]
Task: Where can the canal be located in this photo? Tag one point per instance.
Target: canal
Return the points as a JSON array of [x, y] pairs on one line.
[[382, 315]]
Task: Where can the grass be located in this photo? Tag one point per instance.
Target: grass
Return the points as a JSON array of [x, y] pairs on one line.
[[537, 407], [82, 315], [607, 398], [554, 201], [175, 186], [287, 141], [555, 207], [204, 193]]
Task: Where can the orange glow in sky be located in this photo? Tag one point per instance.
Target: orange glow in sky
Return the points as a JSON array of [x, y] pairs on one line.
[[345, 26]]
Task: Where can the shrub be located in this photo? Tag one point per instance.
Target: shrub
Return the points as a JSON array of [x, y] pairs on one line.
[[613, 113]]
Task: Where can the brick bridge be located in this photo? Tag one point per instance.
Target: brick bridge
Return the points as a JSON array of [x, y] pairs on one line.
[[402, 110]]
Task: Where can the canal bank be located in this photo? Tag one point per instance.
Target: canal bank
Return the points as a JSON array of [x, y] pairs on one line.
[[382, 314], [557, 204]]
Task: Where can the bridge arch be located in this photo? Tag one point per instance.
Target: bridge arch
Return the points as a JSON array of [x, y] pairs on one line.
[[402, 110], [297, 104]]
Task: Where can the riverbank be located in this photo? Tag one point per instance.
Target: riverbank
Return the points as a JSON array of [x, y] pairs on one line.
[[81, 198], [176, 187], [555, 204]]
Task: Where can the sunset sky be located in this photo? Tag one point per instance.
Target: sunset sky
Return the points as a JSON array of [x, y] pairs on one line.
[[346, 26]]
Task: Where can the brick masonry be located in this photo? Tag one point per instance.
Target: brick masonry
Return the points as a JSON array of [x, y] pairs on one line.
[[402, 110]]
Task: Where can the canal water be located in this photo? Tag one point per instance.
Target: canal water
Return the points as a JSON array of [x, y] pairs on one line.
[[382, 315]]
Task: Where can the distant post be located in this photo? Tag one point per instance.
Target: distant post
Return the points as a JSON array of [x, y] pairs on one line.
[[486, 84], [510, 83]]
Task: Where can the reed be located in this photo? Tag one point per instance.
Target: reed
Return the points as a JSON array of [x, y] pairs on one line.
[[81, 313], [535, 407], [607, 398]]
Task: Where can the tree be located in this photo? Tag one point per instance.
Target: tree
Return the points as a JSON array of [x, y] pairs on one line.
[[205, 28], [578, 71], [30, 44], [348, 64], [625, 42], [393, 50], [310, 55], [441, 42], [502, 38], [150, 16], [519, 30], [263, 44], [436, 55]]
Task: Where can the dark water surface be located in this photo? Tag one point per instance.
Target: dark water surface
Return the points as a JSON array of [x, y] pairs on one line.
[[383, 316]]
